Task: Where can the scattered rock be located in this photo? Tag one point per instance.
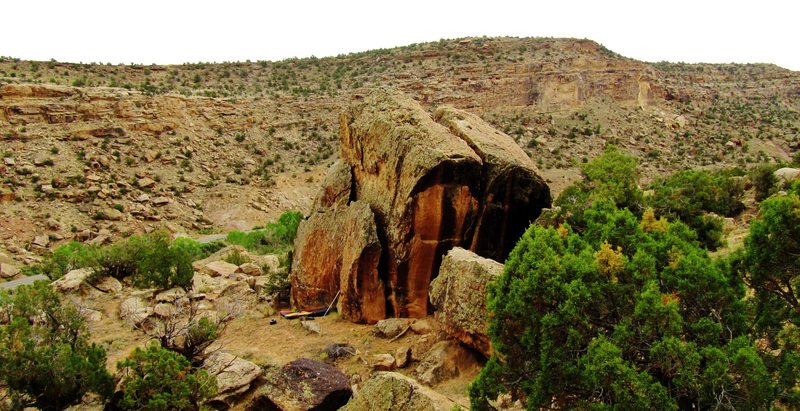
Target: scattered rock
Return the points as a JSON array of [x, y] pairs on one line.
[[111, 214], [73, 280], [335, 351], [109, 285], [41, 241], [312, 327], [382, 362], [234, 375], [391, 391], [402, 356], [220, 268], [250, 269], [145, 182], [91, 315], [134, 311], [391, 327], [165, 310], [787, 174], [170, 295], [270, 262], [150, 155], [459, 295], [303, 384], [238, 293], [160, 201], [204, 283], [8, 270], [6, 195], [446, 360], [422, 326]]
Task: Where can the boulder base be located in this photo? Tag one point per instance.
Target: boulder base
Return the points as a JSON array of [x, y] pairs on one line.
[[303, 385], [459, 296], [390, 391]]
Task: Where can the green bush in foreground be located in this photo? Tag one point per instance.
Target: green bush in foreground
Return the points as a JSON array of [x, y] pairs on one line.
[[620, 318], [690, 195], [46, 360], [158, 379]]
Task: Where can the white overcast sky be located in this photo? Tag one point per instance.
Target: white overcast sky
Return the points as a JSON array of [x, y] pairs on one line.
[[172, 31]]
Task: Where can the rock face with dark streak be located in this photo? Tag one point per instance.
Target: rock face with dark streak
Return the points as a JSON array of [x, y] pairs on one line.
[[338, 249], [431, 185], [511, 188], [418, 178]]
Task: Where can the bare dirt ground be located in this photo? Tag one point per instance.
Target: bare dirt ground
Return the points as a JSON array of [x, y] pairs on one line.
[[253, 338]]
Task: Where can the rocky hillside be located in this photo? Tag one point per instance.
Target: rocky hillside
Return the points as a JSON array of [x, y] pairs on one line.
[[97, 151]]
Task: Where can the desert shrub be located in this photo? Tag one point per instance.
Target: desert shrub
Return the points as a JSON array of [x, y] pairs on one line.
[[620, 318], [155, 378], [764, 181], [251, 240], [611, 176], [70, 256], [151, 260], [770, 263], [285, 229], [794, 188], [46, 360], [772, 258], [235, 257], [690, 196], [614, 175], [188, 332], [274, 237]]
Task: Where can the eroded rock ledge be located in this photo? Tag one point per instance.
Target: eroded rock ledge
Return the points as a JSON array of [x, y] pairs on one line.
[[409, 187]]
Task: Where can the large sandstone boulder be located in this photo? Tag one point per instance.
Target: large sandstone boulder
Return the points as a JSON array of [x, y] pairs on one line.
[[431, 187], [336, 187], [459, 296], [416, 177], [390, 391], [346, 258], [301, 385]]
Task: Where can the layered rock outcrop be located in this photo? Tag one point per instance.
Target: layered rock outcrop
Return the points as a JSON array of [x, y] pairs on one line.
[[430, 186]]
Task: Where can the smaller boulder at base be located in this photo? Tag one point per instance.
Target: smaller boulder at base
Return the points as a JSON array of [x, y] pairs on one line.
[[303, 384], [459, 296], [391, 391]]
